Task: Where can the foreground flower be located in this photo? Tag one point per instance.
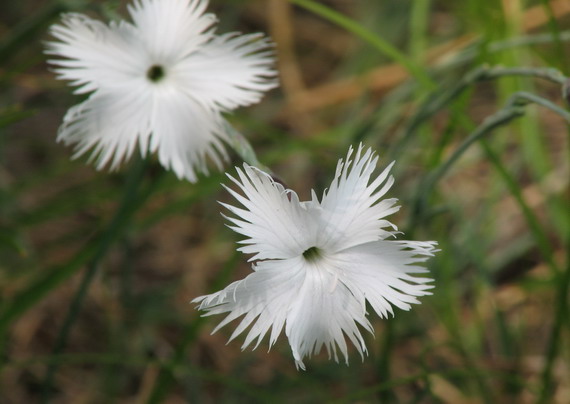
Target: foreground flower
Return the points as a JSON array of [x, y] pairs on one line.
[[319, 262], [161, 82]]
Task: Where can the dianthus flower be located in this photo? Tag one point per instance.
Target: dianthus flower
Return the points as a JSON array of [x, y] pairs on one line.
[[317, 263], [161, 82]]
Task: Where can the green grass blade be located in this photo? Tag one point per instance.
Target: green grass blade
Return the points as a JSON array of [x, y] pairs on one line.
[[418, 28], [500, 118], [377, 42]]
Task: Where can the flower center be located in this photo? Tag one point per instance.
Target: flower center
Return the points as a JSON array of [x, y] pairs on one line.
[[155, 73], [312, 254]]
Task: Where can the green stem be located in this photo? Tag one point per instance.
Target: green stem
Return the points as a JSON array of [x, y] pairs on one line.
[[130, 200], [377, 42], [472, 52], [500, 118], [553, 344], [243, 148], [539, 235], [566, 91], [383, 369], [64, 331], [419, 17], [439, 100], [545, 73], [167, 373], [166, 376], [523, 98]]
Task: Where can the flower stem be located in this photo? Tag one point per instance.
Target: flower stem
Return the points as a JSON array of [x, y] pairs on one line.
[[383, 368], [130, 201], [243, 148], [167, 372]]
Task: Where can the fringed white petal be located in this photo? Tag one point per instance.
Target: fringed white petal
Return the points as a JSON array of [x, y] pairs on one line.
[[185, 134], [275, 223], [172, 29], [109, 124], [96, 55], [229, 71], [264, 297], [323, 313], [352, 210], [297, 295], [384, 272]]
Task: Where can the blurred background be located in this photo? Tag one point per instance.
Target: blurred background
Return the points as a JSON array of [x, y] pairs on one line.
[[97, 274]]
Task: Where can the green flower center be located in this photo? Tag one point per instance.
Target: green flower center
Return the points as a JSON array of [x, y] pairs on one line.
[[155, 73], [312, 254]]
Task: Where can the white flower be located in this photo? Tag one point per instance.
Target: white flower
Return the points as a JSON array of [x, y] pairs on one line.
[[161, 82], [318, 263]]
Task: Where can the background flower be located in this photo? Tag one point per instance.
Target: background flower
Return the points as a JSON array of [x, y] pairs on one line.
[[319, 262], [162, 82]]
